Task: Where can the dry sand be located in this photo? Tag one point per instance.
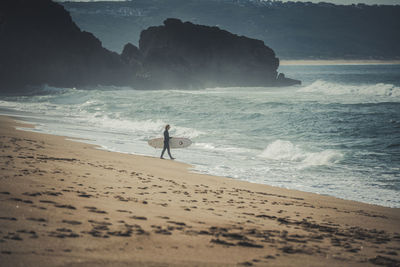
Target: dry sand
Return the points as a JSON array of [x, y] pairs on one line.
[[65, 203]]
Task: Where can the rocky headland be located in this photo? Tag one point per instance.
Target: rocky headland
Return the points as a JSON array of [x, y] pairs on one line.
[[42, 45], [179, 54]]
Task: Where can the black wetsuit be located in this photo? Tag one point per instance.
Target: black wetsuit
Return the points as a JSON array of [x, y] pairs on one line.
[[166, 144]]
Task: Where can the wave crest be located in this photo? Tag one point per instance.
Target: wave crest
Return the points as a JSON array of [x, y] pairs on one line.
[[329, 88], [143, 128], [281, 150]]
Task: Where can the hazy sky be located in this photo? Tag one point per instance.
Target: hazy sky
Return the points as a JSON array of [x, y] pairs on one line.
[[342, 2]]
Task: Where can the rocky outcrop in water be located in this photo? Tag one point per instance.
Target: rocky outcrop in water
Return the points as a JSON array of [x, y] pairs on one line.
[[40, 44], [181, 54]]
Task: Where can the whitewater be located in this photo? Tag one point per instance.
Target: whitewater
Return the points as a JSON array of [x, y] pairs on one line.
[[338, 134]]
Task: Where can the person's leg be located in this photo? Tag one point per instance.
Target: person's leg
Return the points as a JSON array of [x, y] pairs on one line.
[[169, 152], [162, 153]]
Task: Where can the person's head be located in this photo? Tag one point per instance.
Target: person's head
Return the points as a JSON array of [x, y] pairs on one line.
[[167, 127]]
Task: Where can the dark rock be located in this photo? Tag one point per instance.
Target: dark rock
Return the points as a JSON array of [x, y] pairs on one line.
[[186, 55], [132, 56], [40, 44], [283, 81]]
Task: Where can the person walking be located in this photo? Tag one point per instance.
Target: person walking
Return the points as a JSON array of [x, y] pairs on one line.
[[166, 142]]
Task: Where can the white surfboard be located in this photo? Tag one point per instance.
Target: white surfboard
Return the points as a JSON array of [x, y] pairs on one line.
[[174, 142]]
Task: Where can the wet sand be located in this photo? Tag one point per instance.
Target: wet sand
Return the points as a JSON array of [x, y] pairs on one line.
[[66, 203]]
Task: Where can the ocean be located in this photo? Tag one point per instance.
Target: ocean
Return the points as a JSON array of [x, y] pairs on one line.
[[338, 134]]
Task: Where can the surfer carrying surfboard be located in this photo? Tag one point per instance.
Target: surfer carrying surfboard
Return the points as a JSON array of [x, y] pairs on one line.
[[166, 142]]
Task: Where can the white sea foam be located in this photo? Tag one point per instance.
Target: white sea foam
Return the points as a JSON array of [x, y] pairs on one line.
[[143, 128], [93, 113], [325, 157], [221, 148], [329, 88], [281, 150], [28, 107]]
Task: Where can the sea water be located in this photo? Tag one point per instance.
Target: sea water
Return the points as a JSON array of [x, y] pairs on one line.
[[338, 134]]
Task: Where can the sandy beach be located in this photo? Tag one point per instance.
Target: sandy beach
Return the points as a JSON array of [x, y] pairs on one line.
[[66, 203]]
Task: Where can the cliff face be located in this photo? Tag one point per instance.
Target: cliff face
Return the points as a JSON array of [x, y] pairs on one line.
[[184, 54], [40, 44]]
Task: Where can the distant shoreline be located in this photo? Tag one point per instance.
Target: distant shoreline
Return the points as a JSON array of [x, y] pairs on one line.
[[338, 62]]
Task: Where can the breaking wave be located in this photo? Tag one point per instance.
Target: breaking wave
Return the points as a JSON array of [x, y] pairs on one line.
[[281, 150], [329, 88]]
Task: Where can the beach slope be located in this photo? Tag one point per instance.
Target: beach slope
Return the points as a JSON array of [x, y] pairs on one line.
[[66, 203]]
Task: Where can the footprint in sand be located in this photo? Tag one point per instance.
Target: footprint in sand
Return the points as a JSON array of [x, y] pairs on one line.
[[47, 201], [13, 236], [33, 194], [138, 218], [37, 219], [127, 211], [63, 233], [31, 233], [83, 194], [160, 230], [95, 210], [8, 218], [72, 222], [21, 200], [65, 206]]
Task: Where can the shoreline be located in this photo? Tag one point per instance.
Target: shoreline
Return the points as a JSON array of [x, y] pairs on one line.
[[25, 125], [321, 62], [68, 203], [190, 168]]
